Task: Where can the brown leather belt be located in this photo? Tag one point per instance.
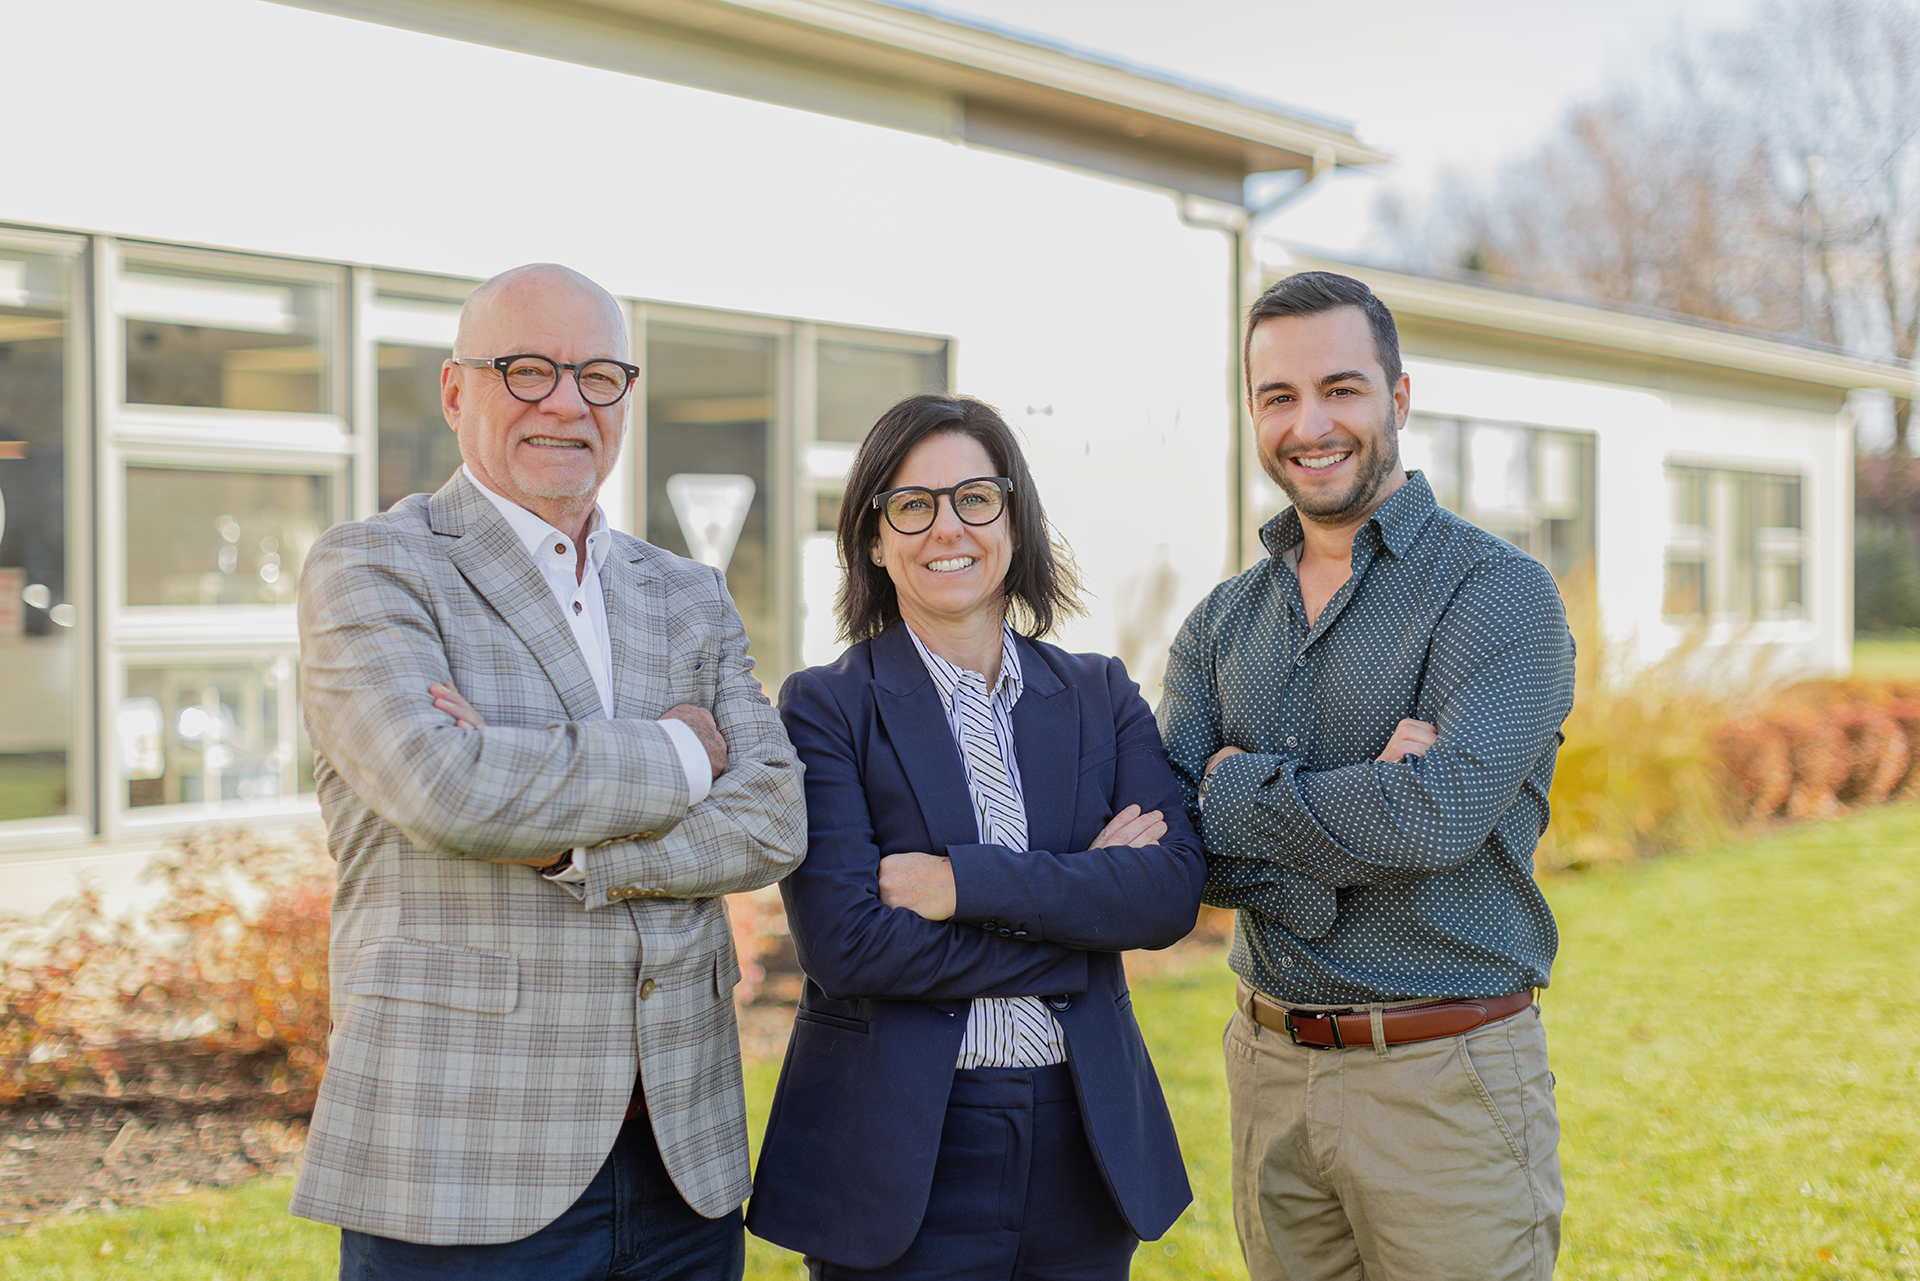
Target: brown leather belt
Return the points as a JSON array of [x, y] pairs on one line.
[[1353, 1029]]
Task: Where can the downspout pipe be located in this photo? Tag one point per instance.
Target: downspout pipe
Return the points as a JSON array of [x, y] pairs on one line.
[[1239, 225]]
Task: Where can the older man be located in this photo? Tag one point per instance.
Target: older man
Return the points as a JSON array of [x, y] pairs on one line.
[[1368, 719], [542, 758]]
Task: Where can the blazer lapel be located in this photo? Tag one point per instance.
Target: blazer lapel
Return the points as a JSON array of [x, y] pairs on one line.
[[636, 607], [1046, 740], [495, 564], [916, 725]]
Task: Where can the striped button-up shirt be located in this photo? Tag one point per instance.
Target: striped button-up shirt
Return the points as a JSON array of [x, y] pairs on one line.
[[1008, 1031]]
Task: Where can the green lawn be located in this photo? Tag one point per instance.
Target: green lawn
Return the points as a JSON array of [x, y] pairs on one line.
[[1736, 1036], [1891, 657]]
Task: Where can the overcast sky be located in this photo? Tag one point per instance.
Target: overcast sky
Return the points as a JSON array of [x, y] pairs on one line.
[[1462, 83]]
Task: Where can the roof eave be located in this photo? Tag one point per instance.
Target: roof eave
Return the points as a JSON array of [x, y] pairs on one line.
[[1504, 311]]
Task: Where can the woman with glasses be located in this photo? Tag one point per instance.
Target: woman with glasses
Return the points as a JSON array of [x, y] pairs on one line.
[[991, 822]]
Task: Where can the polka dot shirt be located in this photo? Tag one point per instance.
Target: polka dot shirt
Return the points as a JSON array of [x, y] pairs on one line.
[[1356, 880]]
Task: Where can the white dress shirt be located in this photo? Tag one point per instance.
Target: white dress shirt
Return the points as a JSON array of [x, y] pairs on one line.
[[1002, 1031], [584, 605]]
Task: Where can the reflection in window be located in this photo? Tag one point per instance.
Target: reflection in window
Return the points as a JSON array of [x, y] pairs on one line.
[[225, 343], [220, 537], [1530, 485], [36, 616], [1735, 545], [710, 406], [226, 733], [417, 450]]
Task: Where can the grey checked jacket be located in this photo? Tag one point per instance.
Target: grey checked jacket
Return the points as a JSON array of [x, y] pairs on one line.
[[488, 1024]]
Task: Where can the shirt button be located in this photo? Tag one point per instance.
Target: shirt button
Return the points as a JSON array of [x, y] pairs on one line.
[[1286, 962], [577, 607], [559, 549], [1292, 741], [1300, 661], [646, 989]]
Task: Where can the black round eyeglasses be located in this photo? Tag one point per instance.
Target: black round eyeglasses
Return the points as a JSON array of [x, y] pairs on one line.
[[912, 509], [532, 378]]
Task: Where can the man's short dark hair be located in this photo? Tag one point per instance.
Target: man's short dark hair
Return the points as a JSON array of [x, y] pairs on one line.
[[1308, 293], [1042, 584]]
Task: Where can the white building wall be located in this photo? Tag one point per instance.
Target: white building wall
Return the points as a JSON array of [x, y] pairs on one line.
[[1081, 306], [1638, 433]]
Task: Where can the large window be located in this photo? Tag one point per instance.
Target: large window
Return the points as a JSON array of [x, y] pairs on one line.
[[40, 663], [227, 452], [1532, 486], [1735, 545]]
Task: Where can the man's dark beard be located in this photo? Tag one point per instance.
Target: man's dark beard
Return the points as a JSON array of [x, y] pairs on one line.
[[1376, 464]]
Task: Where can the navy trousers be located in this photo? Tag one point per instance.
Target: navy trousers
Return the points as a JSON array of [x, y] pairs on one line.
[[629, 1225], [1016, 1194]]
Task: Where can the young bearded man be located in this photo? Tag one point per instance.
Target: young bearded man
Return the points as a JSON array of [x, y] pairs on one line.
[[1366, 723]]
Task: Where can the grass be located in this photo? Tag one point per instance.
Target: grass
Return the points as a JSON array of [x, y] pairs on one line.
[[1737, 1040], [1895, 656]]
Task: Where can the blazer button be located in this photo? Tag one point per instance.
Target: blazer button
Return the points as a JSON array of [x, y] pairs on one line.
[[1004, 932], [1019, 934], [613, 893], [646, 989], [646, 836], [1061, 1003]]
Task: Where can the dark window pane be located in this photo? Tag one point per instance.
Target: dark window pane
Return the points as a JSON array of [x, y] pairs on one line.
[[858, 383], [37, 653], [194, 735], [220, 537], [226, 343], [710, 398], [418, 451]]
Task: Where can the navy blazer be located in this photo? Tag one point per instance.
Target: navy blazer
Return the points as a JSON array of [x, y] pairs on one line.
[[847, 1164]]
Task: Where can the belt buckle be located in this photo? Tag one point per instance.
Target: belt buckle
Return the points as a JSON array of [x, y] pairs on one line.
[[1333, 1023]]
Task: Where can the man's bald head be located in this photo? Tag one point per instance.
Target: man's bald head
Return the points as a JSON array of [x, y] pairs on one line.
[[549, 455], [514, 287]]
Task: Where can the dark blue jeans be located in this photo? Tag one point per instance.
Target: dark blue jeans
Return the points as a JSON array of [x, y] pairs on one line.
[[1016, 1194], [629, 1225]]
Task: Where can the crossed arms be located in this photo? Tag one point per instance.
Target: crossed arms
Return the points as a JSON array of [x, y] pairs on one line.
[[1499, 683], [371, 621]]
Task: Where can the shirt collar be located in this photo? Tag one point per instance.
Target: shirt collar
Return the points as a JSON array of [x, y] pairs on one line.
[[1396, 522], [947, 677], [542, 539]]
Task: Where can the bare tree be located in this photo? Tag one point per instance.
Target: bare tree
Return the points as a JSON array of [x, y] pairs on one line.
[[1766, 177]]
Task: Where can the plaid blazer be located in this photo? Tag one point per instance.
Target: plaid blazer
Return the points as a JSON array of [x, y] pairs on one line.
[[488, 1024]]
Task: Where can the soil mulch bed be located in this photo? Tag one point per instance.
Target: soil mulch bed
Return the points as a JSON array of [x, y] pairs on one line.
[[189, 1118]]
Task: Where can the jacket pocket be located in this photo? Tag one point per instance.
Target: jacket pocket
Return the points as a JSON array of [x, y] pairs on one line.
[[831, 1020], [459, 978]]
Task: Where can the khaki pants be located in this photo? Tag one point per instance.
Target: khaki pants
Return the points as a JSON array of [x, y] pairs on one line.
[[1428, 1162]]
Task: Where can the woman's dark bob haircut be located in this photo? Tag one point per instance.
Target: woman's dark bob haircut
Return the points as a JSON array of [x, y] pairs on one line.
[[1042, 585]]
